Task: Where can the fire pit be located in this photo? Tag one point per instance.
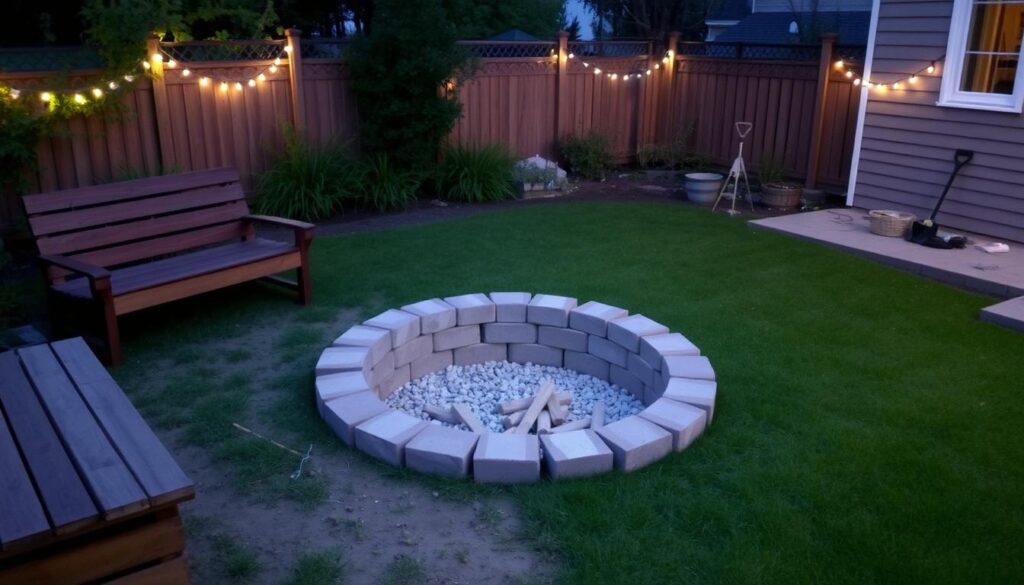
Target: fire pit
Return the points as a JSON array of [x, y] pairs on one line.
[[502, 385]]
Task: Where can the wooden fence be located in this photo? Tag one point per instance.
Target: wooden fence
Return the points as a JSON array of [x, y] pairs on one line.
[[524, 95]]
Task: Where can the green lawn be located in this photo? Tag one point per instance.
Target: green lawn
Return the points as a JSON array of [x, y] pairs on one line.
[[869, 428]]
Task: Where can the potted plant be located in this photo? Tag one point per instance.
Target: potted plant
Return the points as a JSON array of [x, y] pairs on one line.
[[703, 187], [775, 190]]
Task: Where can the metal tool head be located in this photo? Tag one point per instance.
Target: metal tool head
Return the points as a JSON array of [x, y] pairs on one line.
[[743, 128]]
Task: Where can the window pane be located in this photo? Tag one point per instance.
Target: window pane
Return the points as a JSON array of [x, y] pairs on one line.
[[993, 48]]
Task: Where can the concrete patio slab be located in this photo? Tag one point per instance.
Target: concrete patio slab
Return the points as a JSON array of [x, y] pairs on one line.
[[1007, 313], [1000, 275]]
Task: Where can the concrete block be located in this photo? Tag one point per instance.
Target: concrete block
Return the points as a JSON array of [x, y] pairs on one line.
[[653, 392], [640, 368], [550, 310], [456, 337], [384, 436], [506, 458], [345, 413], [654, 347], [414, 349], [403, 326], [430, 363], [472, 309], [510, 307], [382, 371], [576, 454], [533, 353], [562, 337], [609, 351], [398, 378], [592, 317], [438, 450], [341, 359], [509, 333], [627, 331], [481, 352], [331, 386], [378, 340], [435, 315], [686, 366], [683, 421], [628, 382], [585, 363], [635, 442], [699, 393]]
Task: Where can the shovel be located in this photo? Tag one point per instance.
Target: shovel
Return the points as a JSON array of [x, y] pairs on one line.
[[926, 232]]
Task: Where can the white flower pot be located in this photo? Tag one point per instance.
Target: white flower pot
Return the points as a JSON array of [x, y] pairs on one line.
[[703, 187]]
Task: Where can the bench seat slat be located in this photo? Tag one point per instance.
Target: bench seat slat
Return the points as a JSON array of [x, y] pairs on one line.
[[65, 498], [80, 220], [150, 462], [21, 515], [142, 276], [110, 482], [125, 190]]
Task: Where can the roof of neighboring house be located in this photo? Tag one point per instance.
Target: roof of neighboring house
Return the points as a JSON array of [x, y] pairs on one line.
[[773, 27], [513, 35], [731, 10]]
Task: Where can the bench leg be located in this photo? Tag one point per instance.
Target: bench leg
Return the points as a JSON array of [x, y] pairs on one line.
[[302, 279], [111, 332]]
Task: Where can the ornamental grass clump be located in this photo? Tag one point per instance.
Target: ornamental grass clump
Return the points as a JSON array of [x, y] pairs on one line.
[[307, 182], [588, 156], [385, 186], [474, 175]]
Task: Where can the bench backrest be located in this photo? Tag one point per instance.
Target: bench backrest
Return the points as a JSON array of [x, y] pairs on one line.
[[119, 223]]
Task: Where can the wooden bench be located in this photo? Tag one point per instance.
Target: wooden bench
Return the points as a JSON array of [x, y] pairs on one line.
[[87, 491], [122, 247]]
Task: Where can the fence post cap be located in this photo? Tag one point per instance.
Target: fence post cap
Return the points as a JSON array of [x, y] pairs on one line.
[[829, 37], [293, 32]]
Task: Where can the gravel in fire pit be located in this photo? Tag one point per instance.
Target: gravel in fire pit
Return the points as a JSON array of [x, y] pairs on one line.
[[484, 386]]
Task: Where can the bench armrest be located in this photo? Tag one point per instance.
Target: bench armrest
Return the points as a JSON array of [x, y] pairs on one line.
[[303, 231], [99, 277]]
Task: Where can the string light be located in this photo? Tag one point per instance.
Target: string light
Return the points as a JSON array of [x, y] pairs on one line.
[[261, 77], [204, 81], [15, 94], [79, 98], [272, 69], [251, 83], [46, 96], [626, 76], [172, 63], [223, 86], [186, 72], [239, 85], [97, 92], [113, 85], [287, 48], [897, 84]]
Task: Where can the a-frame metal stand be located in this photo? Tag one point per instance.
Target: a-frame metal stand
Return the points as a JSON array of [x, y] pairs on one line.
[[738, 170]]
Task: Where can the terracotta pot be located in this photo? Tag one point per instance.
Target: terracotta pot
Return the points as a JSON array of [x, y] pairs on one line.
[[781, 195]]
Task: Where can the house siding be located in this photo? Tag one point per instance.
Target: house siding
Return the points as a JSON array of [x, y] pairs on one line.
[[906, 151]]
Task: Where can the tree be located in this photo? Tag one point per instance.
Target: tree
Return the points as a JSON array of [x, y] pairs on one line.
[[573, 28], [397, 71], [649, 18], [479, 19]]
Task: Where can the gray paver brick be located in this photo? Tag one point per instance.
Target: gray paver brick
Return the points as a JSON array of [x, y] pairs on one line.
[[509, 333], [655, 347], [592, 317], [636, 442], [345, 413], [413, 349], [533, 353], [375, 338], [586, 363], [480, 353], [550, 310], [384, 436], [640, 368], [628, 331], [402, 325], [435, 315], [431, 363], [511, 306], [456, 337], [576, 454], [562, 337], [506, 458], [699, 393], [609, 351], [622, 378], [441, 450], [473, 308], [683, 421]]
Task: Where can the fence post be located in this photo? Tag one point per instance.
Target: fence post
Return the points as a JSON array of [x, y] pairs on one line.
[[647, 116], [818, 129], [562, 122], [294, 36], [163, 114], [665, 106]]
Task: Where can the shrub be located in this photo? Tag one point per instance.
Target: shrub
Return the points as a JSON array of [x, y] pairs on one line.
[[771, 171], [588, 156], [383, 186], [474, 175], [306, 182], [397, 70]]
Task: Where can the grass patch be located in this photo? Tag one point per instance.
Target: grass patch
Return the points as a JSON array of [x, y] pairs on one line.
[[847, 446], [320, 568], [404, 570], [237, 562]]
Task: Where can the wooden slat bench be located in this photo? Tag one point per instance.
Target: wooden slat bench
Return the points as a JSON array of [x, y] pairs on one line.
[[122, 247], [87, 491]]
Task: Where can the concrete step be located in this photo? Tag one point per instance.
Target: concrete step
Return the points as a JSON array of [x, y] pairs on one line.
[[1007, 313]]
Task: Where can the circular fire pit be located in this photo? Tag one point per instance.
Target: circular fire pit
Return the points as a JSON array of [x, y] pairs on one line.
[[504, 384]]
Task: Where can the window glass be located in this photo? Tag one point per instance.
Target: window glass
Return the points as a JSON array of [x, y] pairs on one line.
[[993, 47]]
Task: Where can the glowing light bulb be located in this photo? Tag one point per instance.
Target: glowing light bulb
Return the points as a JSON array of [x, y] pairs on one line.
[[657, 65], [664, 59], [572, 56], [897, 85], [157, 58], [79, 98], [585, 64], [97, 92], [614, 76], [15, 94], [204, 81], [277, 61], [273, 69], [913, 79], [648, 72], [238, 86], [287, 48], [856, 81], [46, 96], [251, 83], [186, 72], [671, 53], [597, 71], [129, 78], [261, 77], [223, 86], [849, 74], [172, 63], [931, 68], [145, 64], [839, 64], [112, 85]]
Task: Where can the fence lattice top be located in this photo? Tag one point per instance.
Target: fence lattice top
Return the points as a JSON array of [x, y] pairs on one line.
[[609, 48], [198, 51]]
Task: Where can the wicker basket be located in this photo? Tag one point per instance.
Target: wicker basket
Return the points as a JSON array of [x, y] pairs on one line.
[[893, 224]]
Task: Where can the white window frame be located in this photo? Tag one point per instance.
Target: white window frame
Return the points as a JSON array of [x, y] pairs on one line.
[[950, 94]]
